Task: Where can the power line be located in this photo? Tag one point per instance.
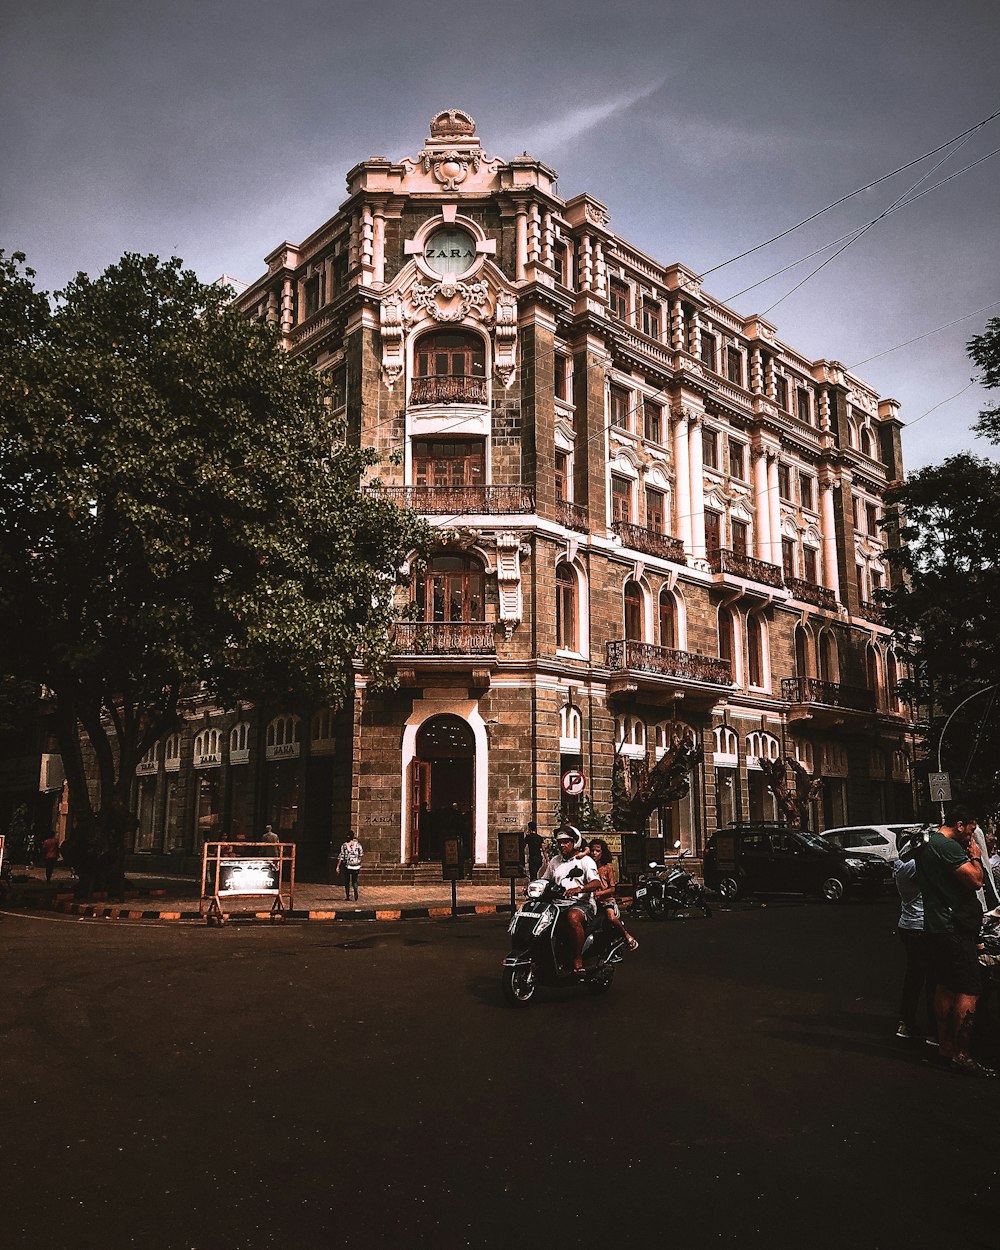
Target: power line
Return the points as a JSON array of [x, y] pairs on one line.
[[926, 335], [911, 424], [857, 229], [897, 202], [867, 187]]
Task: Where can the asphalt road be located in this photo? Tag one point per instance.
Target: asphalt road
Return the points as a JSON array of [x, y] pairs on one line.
[[180, 1088]]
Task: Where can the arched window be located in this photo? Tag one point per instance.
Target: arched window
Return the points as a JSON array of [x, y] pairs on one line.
[[761, 746], [570, 728], [172, 753], [668, 619], [868, 444], [804, 753], [829, 661], [726, 742], [283, 731], [892, 681], [239, 736], [208, 748], [631, 735], [756, 640], [449, 367], [801, 652], [633, 611], [727, 637], [451, 588], [567, 616], [322, 737], [872, 668]]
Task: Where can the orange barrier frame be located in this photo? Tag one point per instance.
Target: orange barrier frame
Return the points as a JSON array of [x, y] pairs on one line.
[[216, 855]]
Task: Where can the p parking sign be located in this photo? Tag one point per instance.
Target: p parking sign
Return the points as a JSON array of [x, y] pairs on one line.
[[573, 781]]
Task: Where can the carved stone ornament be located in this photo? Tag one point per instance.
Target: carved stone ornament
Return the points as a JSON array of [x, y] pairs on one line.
[[450, 167], [505, 337], [451, 301], [597, 215], [391, 315], [452, 124], [509, 552]]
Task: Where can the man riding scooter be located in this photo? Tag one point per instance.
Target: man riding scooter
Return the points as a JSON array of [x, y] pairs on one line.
[[578, 876]]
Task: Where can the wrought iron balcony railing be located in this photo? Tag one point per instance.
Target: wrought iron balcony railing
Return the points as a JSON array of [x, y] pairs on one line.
[[827, 693], [572, 515], [444, 638], [872, 611], [649, 541], [722, 560], [809, 592], [460, 500], [455, 388], [627, 655]]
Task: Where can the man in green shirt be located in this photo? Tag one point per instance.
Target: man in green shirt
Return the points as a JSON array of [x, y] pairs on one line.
[[949, 872]]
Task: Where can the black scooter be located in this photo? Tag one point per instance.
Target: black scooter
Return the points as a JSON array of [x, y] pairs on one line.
[[668, 888], [541, 947]]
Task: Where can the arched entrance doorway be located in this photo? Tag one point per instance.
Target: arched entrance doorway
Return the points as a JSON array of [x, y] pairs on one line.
[[443, 780]]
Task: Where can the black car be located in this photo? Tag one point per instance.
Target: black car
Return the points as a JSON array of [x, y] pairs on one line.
[[761, 858]]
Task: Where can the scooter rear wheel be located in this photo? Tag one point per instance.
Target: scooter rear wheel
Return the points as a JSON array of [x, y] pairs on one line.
[[518, 986]]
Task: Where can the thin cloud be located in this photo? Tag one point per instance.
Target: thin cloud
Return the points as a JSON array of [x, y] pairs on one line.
[[559, 131]]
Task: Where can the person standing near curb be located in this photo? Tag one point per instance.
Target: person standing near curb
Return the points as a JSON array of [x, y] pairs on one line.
[[349, 863], [950, 873], [534, 844], [50, 849]]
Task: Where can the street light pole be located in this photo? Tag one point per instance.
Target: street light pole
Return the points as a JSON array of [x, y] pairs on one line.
[[974, 695]]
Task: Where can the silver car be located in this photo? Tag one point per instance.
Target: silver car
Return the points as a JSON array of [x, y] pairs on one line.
[[883, 840]]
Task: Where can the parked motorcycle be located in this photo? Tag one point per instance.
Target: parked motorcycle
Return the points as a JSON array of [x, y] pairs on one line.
[[669, 888], [541, 947]]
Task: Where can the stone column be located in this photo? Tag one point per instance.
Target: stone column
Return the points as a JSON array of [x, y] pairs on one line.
[[677, 324], [522, 241], [287, 307], [774, 511], [378, 248], [694, 346], [762, 505], [682, 481], [697, 490], [831, 573]]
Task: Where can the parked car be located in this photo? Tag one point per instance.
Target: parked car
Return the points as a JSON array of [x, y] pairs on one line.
[[760, 857], [883, 840]]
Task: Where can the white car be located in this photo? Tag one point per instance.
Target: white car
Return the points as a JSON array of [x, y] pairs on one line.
[[882, 840]]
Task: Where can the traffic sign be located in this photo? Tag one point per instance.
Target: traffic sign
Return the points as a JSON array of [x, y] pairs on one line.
[[573, 781], [940, 784]]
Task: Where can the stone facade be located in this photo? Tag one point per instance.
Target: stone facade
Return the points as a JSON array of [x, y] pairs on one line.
[[652, 511]]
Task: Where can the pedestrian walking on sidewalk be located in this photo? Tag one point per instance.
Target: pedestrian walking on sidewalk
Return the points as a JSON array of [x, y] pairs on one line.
[[50, 848], [349, 863]]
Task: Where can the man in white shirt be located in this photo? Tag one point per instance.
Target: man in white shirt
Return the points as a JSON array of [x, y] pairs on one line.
[[578, 876]]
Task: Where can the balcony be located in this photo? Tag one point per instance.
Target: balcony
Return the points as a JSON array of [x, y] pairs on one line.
[[650, 542], [444, 638], [809, 592], [461, 500], [827, 694], [454, 388], [572, 515], [736, 564], [872, 611], [625, 655]]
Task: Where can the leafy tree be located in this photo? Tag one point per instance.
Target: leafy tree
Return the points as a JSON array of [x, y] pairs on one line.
[[945, 609], [177, 506], [985, 351]]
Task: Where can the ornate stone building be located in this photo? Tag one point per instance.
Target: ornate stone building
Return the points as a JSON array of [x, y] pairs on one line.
[[654, 516]]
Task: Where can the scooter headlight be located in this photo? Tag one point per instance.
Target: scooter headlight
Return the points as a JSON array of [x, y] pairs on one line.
[[536, 889]]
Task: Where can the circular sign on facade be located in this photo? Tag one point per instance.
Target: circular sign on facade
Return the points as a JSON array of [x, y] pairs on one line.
[[450, 250], [573, 781]]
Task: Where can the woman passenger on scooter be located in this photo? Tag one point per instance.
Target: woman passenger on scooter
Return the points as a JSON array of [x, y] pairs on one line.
[[600, 853]]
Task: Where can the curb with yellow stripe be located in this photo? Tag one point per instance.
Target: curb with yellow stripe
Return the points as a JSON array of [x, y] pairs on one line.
[[100, 911]]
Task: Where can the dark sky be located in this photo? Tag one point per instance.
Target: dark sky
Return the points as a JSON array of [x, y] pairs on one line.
[[215, 130]]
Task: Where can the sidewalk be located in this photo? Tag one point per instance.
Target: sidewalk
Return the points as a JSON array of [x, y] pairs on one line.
[[176, 898]]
